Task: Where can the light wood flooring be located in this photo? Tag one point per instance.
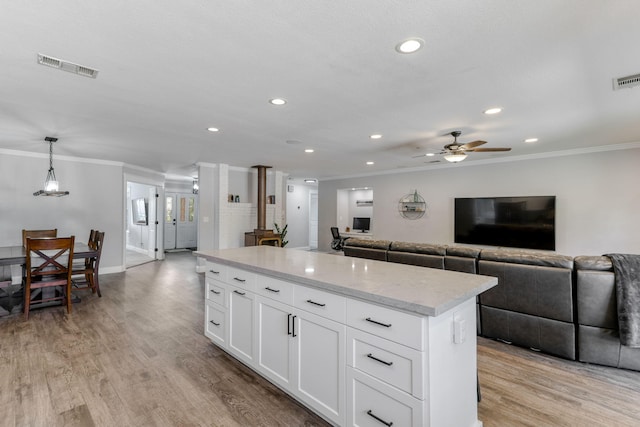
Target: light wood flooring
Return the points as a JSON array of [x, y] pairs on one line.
[[138, 357]]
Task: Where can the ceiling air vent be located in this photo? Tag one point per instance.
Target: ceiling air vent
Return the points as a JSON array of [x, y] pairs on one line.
[[626, 82], [67, 66]]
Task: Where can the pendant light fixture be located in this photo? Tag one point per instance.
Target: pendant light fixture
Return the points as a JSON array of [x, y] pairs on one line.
[[51, 187]]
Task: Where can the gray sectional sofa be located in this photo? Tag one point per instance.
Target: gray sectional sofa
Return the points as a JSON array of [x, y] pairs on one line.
[[548, 302]]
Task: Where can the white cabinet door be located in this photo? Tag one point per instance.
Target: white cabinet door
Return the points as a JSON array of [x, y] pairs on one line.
[[241, 317], [274, 348], [320, 359]]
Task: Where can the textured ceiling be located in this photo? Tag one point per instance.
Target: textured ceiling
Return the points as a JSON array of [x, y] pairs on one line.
[[169, 69]]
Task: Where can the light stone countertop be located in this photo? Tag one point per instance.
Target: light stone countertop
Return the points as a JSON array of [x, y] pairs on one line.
[[420, 290]]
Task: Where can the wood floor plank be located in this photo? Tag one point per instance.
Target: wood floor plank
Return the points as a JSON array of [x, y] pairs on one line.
[[138, 357]]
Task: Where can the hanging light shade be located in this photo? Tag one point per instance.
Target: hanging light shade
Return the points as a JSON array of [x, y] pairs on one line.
[[51, 186], [455, 157]]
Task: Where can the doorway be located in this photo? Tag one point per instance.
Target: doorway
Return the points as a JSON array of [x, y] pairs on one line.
[[180, 221], [141, 227]]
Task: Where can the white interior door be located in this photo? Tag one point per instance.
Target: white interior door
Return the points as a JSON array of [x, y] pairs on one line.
[[313, 220]]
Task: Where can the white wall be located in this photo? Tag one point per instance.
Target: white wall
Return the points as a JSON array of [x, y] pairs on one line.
[[597, 201], [95, 201]]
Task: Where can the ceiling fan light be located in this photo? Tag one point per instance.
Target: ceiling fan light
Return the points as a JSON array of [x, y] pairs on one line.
[[455, 157]]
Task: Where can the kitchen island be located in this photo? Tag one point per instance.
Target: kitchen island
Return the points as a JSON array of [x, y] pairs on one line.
[[359, 342]]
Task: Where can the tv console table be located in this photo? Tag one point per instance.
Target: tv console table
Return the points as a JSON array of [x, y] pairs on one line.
[[357, 234], [359, 342]]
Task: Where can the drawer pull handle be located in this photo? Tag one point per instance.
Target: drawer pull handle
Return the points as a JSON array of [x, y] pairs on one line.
[[289, 324], [387, 423], [215, 292], [371, 356], [239, 280], [272, 290], [216, 324], [319, 304], [293, 325], [386, 325], [238, 292], [214, 272]]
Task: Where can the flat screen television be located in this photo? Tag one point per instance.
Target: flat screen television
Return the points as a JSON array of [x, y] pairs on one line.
[[362, 224], [516, 222]]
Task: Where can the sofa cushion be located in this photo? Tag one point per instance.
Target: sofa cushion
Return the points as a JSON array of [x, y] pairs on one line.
[[418, 248], [367, 243], [602, 346], [531, 289], [462, 258], [596, 299], [463, 251], [545, 259], [600, 263], [538, 333], [419, 259]]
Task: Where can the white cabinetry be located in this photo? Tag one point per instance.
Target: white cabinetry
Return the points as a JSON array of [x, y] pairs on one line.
[[275, 347], [320, 359], [303, 352], [241, 312], [215, 318], [355, 363]]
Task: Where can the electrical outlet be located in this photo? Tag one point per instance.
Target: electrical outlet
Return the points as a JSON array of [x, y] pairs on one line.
[[459, 330]]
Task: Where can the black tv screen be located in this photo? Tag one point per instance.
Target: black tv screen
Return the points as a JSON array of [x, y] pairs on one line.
[[516, 222], [361, 224]]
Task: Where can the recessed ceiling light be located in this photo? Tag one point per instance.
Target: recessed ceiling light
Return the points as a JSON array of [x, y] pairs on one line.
[[430, 154], [308, 150], [531, 140], [213, 129], [410, 45], [310, 181], [375, 136], [277, 101], [370, 163], [494, 110]]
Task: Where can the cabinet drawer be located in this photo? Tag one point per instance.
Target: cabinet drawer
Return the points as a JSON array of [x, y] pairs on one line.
[[403, 328], [395, 364], [214, 324], [241, 278], [320, 302], [278, 290], [215, 291], [374, 404], [216, 271]]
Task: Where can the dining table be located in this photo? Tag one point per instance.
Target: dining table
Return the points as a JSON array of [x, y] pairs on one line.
[[11, 296]]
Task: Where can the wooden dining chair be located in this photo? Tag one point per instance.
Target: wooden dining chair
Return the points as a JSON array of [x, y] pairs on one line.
[[88, 268], [48, 265], [37, 234]]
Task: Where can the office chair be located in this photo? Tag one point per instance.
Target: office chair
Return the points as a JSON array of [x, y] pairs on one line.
[[338, 242]]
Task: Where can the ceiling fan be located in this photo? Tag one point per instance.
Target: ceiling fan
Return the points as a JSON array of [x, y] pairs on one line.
[[456, 152]]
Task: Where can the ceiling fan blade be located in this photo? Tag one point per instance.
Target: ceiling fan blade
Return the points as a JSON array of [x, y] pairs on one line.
[[480, 150], [472, 144]]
